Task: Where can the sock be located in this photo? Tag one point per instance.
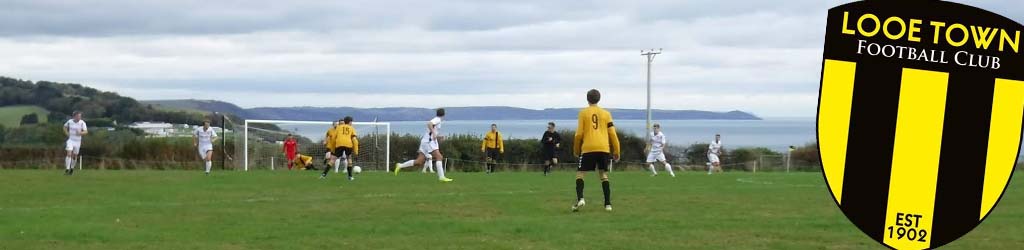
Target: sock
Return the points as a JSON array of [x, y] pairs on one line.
[[710, 168], [651, 166], [347, 168], [406, 164], [669, 169], [326, 169], [607, 192], [579, 189], [67, 163], [440, 169], [208, 165]]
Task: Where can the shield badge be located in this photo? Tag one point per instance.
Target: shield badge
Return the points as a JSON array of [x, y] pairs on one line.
[[919, 117]]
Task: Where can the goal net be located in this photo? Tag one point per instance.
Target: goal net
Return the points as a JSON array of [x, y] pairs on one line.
[[263, 141]]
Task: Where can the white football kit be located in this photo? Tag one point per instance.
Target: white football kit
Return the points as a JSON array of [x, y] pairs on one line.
[[75, 130], [428, 143], [657, 153], [714, 150], [205, 139]]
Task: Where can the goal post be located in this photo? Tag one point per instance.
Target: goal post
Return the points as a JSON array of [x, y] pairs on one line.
[[263, 142]]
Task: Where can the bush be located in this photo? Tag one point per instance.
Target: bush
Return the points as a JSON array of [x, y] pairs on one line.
[[696, 154], [806, 158], [29, 119]]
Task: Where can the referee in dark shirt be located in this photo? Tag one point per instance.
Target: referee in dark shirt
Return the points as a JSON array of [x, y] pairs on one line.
[[550, 141]]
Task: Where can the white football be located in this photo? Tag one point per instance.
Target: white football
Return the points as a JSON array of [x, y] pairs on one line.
[[357, 170]]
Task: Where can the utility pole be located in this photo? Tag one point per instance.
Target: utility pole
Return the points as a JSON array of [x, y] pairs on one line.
[[650, 54]]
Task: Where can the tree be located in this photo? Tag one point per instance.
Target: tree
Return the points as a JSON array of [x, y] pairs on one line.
[[32, 118]]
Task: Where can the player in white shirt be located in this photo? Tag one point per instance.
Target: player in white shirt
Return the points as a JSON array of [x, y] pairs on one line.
[[203, 138], [714, 151], [430, 149], [656, 151], [74, 129]]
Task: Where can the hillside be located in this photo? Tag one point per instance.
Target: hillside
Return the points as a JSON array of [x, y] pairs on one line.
[[192, 105], [10, 116], [454, 113], [99, 107]]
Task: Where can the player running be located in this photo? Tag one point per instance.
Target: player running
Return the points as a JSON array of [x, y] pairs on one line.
[[289, 148], [74, 128], [596, 143], [714, 151], [430, 149], [346, 147], [550, 141], [329, 145], [492, 146], [202, 139], [656, 151]]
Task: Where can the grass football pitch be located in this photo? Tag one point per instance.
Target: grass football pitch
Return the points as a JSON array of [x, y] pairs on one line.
[[295, 210]]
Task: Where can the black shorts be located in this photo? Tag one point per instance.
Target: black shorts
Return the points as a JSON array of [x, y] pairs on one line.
[[342, 152], [492, 153], [548, 154], [595, 160]]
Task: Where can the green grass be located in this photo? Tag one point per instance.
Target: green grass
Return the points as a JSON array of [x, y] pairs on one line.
[[10, 116], [294, 210]]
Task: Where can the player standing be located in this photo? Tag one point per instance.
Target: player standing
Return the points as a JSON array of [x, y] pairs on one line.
[[656, 151], [492, 146], [550, 141], [430, 149], [596, 143], [714, 151], [290, 146], [74, 128], [346, 147], [203, 139]]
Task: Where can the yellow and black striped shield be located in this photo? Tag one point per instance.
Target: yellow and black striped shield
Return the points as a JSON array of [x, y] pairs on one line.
[[919, 117]]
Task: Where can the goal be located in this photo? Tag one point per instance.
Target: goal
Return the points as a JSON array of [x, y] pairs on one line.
[[263, 141]]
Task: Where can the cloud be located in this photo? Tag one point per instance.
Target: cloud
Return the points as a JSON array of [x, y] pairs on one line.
[[760, 56]]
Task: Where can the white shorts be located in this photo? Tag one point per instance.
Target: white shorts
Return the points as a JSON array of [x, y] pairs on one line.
[[655, 157], [73, 146], [427, 147], [203, 149], [713, 158]]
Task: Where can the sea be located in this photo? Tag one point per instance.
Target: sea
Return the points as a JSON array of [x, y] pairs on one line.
[[773, 133]]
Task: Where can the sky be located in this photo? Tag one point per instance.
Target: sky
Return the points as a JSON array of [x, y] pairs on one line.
[[758, 56]]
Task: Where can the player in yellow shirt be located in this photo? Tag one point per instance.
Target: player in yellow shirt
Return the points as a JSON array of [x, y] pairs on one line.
[[329, 144], [346, 147], [303, 162], [596, 144], [492, 147]]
